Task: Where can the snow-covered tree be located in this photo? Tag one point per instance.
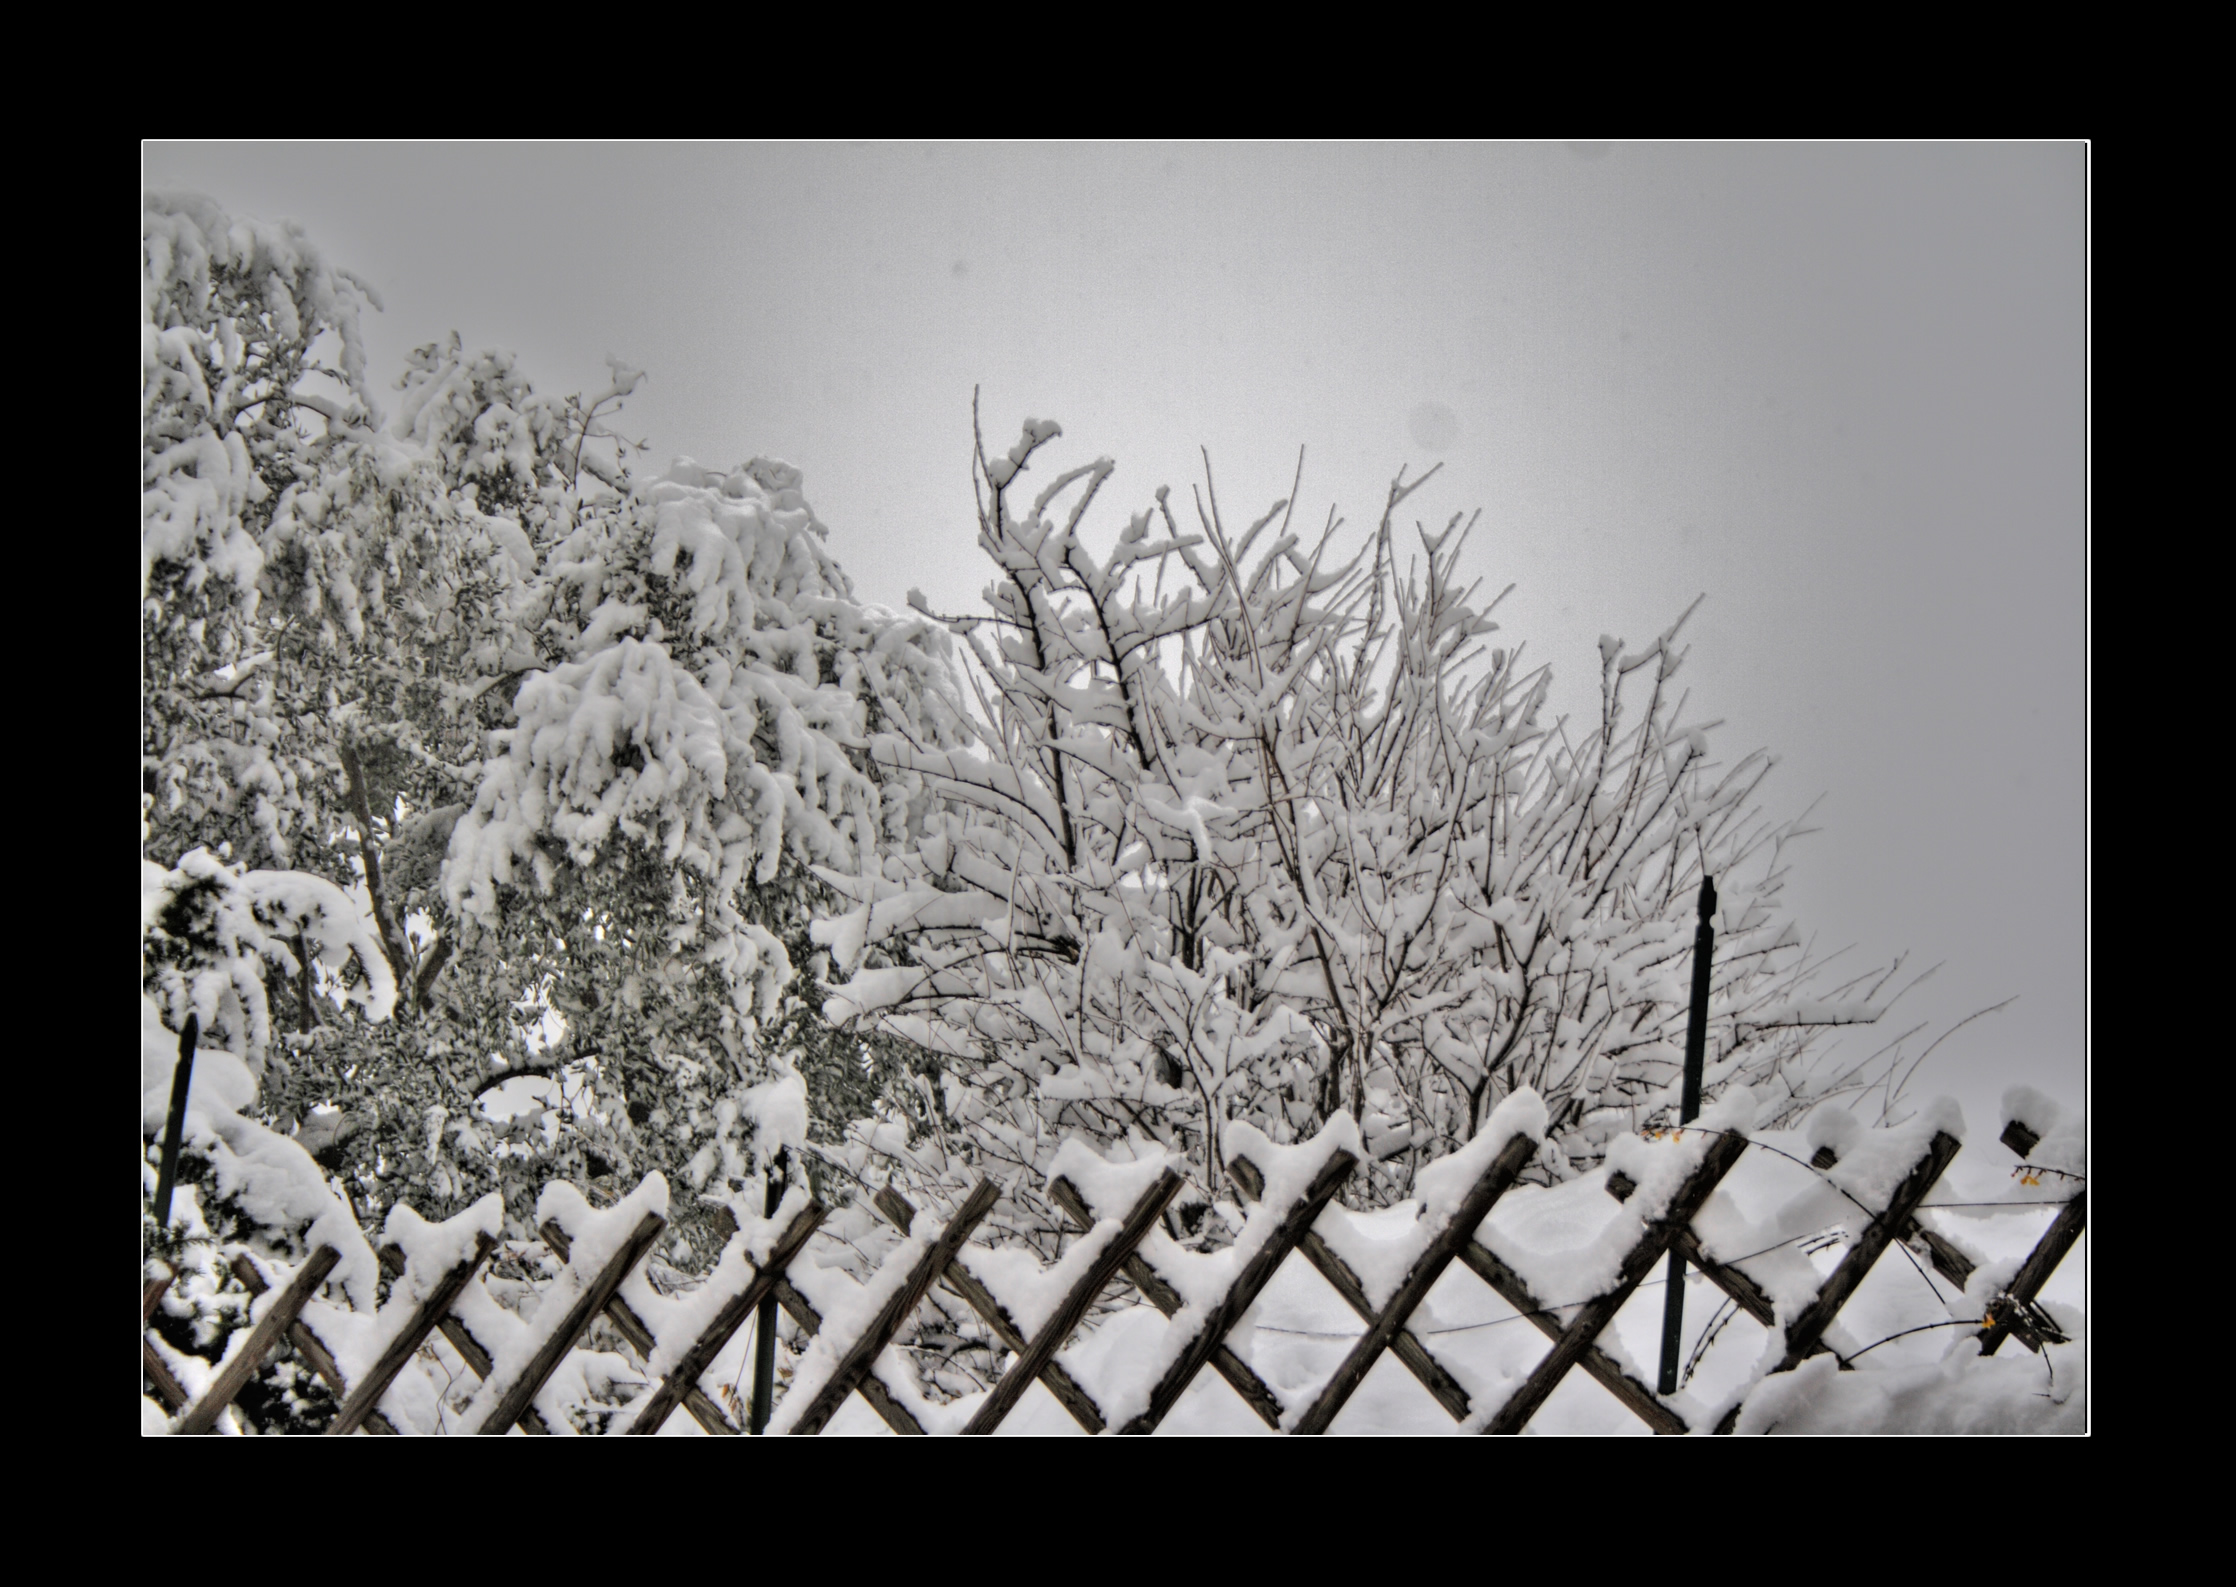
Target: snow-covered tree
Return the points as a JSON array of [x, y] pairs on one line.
[[1254, 835], [570, 740]]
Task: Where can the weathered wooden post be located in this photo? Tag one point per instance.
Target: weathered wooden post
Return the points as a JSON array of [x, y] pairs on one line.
[[166, 1175], [764, 1326], [1688, 1109]]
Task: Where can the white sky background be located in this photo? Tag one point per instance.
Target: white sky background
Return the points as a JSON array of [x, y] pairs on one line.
[[1839, 389]]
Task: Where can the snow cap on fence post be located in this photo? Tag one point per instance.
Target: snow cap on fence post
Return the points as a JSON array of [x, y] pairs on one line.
[[778, 1111], [2029, 1111]]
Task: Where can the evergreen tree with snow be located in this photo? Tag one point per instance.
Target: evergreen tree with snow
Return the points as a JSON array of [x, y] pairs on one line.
[[566, 747]]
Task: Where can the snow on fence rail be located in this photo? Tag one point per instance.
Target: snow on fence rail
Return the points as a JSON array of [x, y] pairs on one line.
[[1591, 1242]]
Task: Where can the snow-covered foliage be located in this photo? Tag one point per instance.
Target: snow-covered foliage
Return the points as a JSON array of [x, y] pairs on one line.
[[1255, 837], [209, 933], [493, 734], [518, 826]]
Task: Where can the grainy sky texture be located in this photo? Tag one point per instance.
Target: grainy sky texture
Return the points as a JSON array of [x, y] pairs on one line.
[[1839, 389]]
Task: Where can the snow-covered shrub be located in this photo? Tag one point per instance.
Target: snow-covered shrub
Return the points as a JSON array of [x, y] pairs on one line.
[[1257, 837]]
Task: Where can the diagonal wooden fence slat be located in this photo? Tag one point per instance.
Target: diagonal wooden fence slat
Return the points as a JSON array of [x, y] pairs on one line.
[[1023, 1372], [158, 1371], [470, 1349], [1219, 1321], [1807, 1329], [166, 1385], [450, 1325], [1601, 1367], [201, 1416], [855, 1364], [431, 1311], [1584, 1329], [633, 1329], [1745, 1293], [1070, 1394], [1749, 1296], [1414, 1288], [1145, 1278], [683, 1379], [1426, 1369], [2020, 1317], [1951, 1263], [873, 1389], [640, 1338], [161, 1379], [307, 1343], [561, 1339], [2006, 1315]]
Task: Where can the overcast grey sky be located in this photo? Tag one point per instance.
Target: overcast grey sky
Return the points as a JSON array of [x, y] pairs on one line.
[[1840, 389]]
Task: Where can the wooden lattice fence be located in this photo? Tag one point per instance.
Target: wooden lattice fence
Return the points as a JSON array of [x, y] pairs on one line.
[[1664, 1194]]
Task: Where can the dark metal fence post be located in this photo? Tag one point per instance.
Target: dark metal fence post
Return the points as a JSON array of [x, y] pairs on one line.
[[1688, 1109], [166, 1175], [764, 1326]]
